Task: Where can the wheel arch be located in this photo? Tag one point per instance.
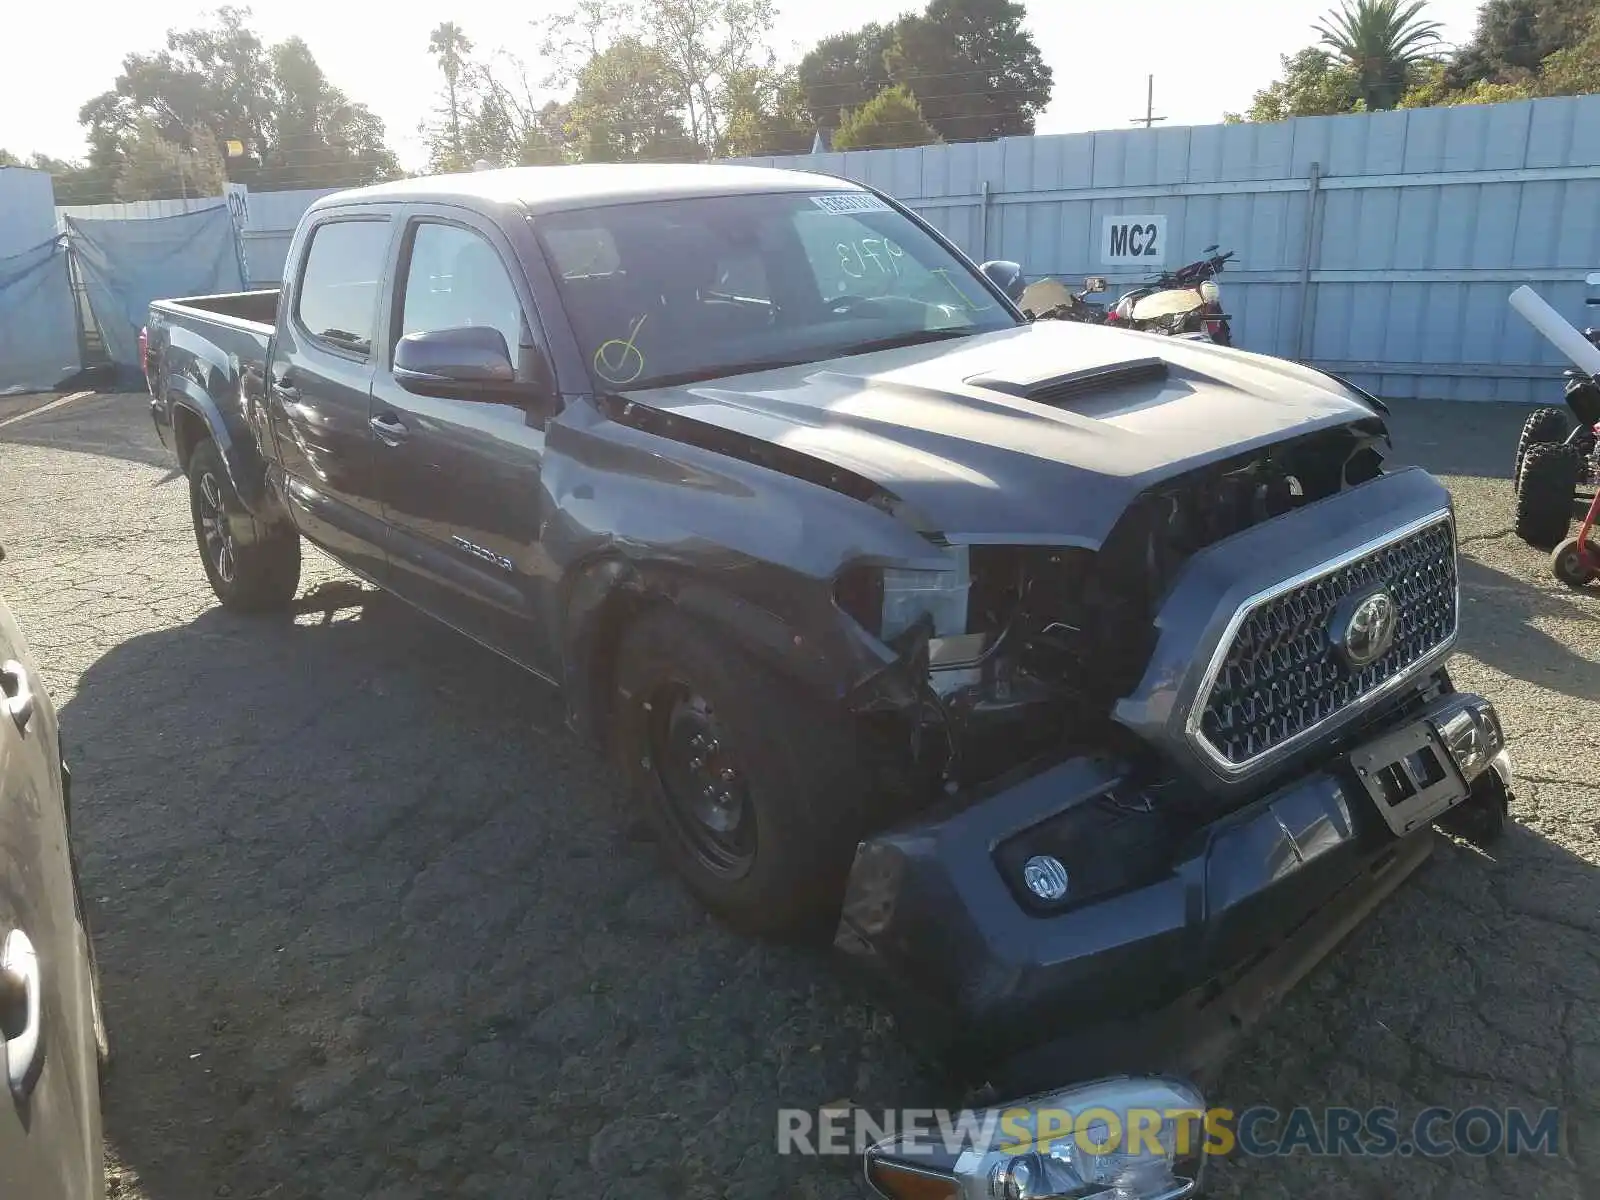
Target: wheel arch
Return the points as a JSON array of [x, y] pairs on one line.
[[607, 593]]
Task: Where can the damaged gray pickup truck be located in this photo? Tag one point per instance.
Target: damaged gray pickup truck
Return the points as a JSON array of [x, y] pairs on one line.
[[1083, 682]]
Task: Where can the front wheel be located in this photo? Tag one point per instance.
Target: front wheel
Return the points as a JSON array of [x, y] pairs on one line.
[[753, 789], [252, 567]]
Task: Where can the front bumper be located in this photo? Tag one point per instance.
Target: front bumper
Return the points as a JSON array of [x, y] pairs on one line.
[[1155, 977]]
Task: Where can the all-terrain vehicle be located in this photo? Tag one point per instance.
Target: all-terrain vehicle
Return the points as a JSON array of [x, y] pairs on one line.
[[1556, 456]]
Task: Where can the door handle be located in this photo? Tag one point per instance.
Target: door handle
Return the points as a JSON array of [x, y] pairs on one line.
[[283, 387], [18, 692], [390, 429], [21, 1014]]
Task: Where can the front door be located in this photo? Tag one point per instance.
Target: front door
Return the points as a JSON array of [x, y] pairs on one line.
[[319, 386], [459, 478], [49, 1100]]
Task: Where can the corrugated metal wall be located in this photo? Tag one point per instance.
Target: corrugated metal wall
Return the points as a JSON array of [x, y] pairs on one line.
[[1424, 221]]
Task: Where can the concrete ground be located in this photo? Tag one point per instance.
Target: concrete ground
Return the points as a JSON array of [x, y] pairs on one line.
[[371, 924]]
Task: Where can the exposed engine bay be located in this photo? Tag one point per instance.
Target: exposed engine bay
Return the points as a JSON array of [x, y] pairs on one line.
[[1025, 649]]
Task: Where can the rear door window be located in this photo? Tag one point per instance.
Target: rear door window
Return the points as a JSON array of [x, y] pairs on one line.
[[338, 295]]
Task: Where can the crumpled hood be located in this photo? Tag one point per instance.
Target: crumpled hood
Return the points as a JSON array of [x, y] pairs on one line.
[[980, 465]]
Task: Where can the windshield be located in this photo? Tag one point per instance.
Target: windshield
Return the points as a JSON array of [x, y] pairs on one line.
[[676, 290]]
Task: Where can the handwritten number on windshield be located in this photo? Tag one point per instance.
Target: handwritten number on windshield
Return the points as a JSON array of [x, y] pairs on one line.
[[882, 255]]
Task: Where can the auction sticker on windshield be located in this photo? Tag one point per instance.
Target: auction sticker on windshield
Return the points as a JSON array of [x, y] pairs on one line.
[[849, 202]]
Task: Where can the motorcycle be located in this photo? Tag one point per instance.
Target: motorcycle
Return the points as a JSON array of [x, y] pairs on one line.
[[1182, 303], [1050, 300]]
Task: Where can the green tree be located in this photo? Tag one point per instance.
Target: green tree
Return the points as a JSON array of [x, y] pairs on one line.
[[8, 159], [1313, 85], [155, 167], [625, 108], [1573, 70], [1382, 41], [1513, 39], [974, 70], [451, 47], [843, 72], [766, 115], [891, 118], [297, 129], [702, 54]]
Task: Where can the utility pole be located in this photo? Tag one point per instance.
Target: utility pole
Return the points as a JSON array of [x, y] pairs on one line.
[[1149, 118]]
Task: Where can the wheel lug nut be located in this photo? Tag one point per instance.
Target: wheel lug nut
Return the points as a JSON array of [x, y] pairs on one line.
[[696, 763]]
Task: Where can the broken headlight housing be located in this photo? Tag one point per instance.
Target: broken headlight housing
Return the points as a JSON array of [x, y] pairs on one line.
[[1116, 1139], [887, 601]]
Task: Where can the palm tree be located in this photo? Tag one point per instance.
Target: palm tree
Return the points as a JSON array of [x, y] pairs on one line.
[[1380, 40], [450, 46]]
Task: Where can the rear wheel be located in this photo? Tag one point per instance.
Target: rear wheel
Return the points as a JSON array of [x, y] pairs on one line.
[[1543, 425], [1544, 497], [252, 567], [753, 789]]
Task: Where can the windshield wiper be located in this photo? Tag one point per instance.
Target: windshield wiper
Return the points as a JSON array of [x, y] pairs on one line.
[[704, 374]]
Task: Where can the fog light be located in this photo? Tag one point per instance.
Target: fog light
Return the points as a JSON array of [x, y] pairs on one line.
[[1116, 1139], [1473, 736], [1045, 877]]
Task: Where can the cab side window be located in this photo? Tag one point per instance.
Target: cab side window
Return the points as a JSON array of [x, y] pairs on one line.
[[455, 279], [337, 301]]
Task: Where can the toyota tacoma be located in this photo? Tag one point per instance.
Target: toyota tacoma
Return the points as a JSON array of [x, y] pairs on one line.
[[1086, 684]]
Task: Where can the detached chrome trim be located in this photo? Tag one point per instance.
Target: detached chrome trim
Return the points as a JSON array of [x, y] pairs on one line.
[[1192, 726]]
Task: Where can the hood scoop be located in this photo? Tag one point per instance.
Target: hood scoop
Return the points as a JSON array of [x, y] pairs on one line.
[[1063, 389]]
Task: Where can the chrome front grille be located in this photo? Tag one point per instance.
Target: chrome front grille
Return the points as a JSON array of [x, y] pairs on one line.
[[1281, 673]]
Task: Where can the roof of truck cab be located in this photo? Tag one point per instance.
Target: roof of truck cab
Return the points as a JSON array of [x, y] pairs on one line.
[[586, 184]]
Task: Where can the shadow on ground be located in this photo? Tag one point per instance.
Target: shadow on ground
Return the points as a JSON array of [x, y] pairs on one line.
[[371, 919]]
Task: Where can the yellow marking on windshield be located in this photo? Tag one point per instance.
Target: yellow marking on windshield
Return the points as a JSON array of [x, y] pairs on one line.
[[618, 360]]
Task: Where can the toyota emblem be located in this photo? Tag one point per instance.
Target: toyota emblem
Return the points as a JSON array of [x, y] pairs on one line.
[[1369, 629]]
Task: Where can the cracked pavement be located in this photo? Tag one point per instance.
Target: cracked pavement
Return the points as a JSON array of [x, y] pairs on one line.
[[372, 924]]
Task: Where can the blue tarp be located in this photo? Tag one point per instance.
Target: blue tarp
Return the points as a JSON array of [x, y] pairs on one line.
[[38, 327], [127, 264]]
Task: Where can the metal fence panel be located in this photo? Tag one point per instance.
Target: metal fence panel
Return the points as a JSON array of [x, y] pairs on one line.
[[1423, 222]]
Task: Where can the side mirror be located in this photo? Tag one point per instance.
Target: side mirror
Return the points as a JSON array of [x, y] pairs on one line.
[[465, 363], [1094, 284], [1007, 276]]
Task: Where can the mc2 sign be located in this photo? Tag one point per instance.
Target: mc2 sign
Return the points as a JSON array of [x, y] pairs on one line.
[[1134, 240]]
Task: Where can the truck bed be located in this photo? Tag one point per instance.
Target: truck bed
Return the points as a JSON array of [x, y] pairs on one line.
[[254, 308]]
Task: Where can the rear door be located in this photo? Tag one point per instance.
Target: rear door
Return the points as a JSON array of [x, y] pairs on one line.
[[319, 383], [460, 478], [49, 1100]]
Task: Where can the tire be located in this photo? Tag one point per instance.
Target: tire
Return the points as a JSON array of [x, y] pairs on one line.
[[1573, 566], [102, 1036], [1481, 818], [1544, 498], [252, 567], [1543, 425], [771, 853]]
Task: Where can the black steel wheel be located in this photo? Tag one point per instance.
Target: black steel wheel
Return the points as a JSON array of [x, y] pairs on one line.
[[1550, 475], [754, 789], [701, 787], [1543, 425], [1575, 565], [252, 567]]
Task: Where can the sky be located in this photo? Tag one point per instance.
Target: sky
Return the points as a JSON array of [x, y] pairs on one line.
[[1207, 56]]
